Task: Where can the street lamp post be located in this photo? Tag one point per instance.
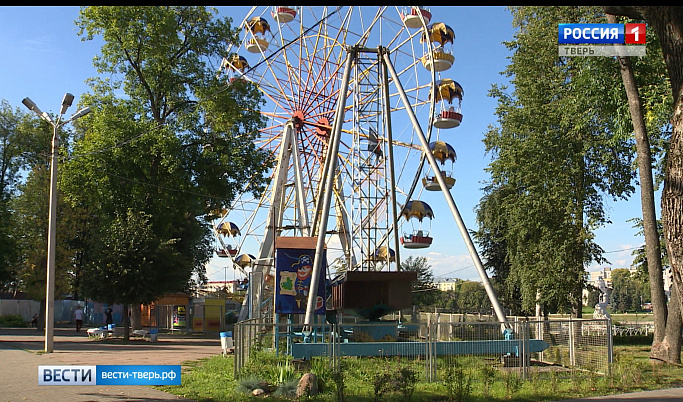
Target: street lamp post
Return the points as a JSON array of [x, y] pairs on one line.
[[52, 215]]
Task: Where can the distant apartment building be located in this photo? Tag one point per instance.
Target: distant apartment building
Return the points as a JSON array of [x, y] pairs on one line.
[[216, 286], [605, 274], [446, 284]]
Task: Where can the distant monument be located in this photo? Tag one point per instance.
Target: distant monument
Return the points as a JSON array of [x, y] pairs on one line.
[[601, 308]]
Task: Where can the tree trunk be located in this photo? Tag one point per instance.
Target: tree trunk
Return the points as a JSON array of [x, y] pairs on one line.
[[647, 197], [41, 316], [668, 350], [126, 322], [667, 23], [135, 317]]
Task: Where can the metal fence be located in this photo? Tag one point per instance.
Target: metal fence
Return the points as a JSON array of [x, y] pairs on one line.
[[24, 308], [633, 329], [558, 348]]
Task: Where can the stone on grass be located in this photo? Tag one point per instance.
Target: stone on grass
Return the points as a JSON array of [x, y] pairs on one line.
[[308, 385]]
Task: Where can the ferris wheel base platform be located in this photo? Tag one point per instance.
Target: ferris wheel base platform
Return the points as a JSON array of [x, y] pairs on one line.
[[372, 294], [479, 348]]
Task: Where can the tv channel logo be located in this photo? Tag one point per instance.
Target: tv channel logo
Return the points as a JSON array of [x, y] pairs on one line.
[[619, 34], [635, 34], [110, 375]]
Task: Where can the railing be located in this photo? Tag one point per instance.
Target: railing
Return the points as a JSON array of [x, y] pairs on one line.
[[562, 347]]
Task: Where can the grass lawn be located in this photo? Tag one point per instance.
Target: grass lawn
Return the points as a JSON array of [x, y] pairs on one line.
[[389, 379]]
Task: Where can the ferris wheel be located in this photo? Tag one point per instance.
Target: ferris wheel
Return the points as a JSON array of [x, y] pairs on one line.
[[354, 94]]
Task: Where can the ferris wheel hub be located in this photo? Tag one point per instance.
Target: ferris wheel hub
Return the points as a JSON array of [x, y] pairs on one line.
[[323, 128], [298, 119]]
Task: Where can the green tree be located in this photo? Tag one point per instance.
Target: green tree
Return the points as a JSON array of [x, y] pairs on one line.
[[22, 146], [166, 139], [472, 298], [423, 290], [448, 300], [491, 240], [557, 157], [667, 322], [667, 23], [10, 153], [627, 291], [131, 257]]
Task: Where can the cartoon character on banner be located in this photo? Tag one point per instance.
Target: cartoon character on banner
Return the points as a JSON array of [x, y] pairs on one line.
[[303, 279]]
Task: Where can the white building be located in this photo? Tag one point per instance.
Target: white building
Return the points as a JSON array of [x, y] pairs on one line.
[[215, 286], [446, 284], [606, 274]]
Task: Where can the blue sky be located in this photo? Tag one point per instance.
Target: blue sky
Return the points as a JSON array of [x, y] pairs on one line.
[[43, 57]]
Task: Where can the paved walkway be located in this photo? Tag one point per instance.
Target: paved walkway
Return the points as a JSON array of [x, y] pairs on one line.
[[19, 363], [661, 395]]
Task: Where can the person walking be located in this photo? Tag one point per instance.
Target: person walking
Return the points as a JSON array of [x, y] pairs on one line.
[[110, 319], [78, 315]]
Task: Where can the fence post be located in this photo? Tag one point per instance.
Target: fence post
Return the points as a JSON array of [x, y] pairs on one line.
[[237, 333], [610, 345], [429, 341], [572, 341], [525, 349]]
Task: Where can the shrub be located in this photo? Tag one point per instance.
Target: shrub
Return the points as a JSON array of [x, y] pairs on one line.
[[381, 383], [287, 389], [268, 366], [12, 320], [405, 382], [248, 384], [458, 383]]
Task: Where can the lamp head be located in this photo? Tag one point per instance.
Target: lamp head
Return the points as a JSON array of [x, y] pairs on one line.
[[80, 113], [31, 106], [47, 118], [66, 102]]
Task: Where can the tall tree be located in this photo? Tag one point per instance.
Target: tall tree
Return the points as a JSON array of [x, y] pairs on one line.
[[666, 343], [667, 23], [423, 289], [10, 152], [649, 221], [21, 147], [490, 236], [472, 298], [131, 259], [555, 153], [178, 144]]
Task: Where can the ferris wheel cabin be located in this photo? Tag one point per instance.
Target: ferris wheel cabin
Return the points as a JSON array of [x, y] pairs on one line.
[[418, 239], [448, 119], [283, 14], [227, 252], [431, 183], [416, 17], [440, 60]]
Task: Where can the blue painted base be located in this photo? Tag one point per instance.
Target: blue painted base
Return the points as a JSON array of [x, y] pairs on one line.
[[493, 348]]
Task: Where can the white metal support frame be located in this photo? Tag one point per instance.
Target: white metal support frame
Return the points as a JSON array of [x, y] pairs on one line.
[[288, 152], [329, 183], [449, 198]]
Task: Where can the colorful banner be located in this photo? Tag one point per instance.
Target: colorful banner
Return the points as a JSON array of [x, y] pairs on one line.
[[293, 272]]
